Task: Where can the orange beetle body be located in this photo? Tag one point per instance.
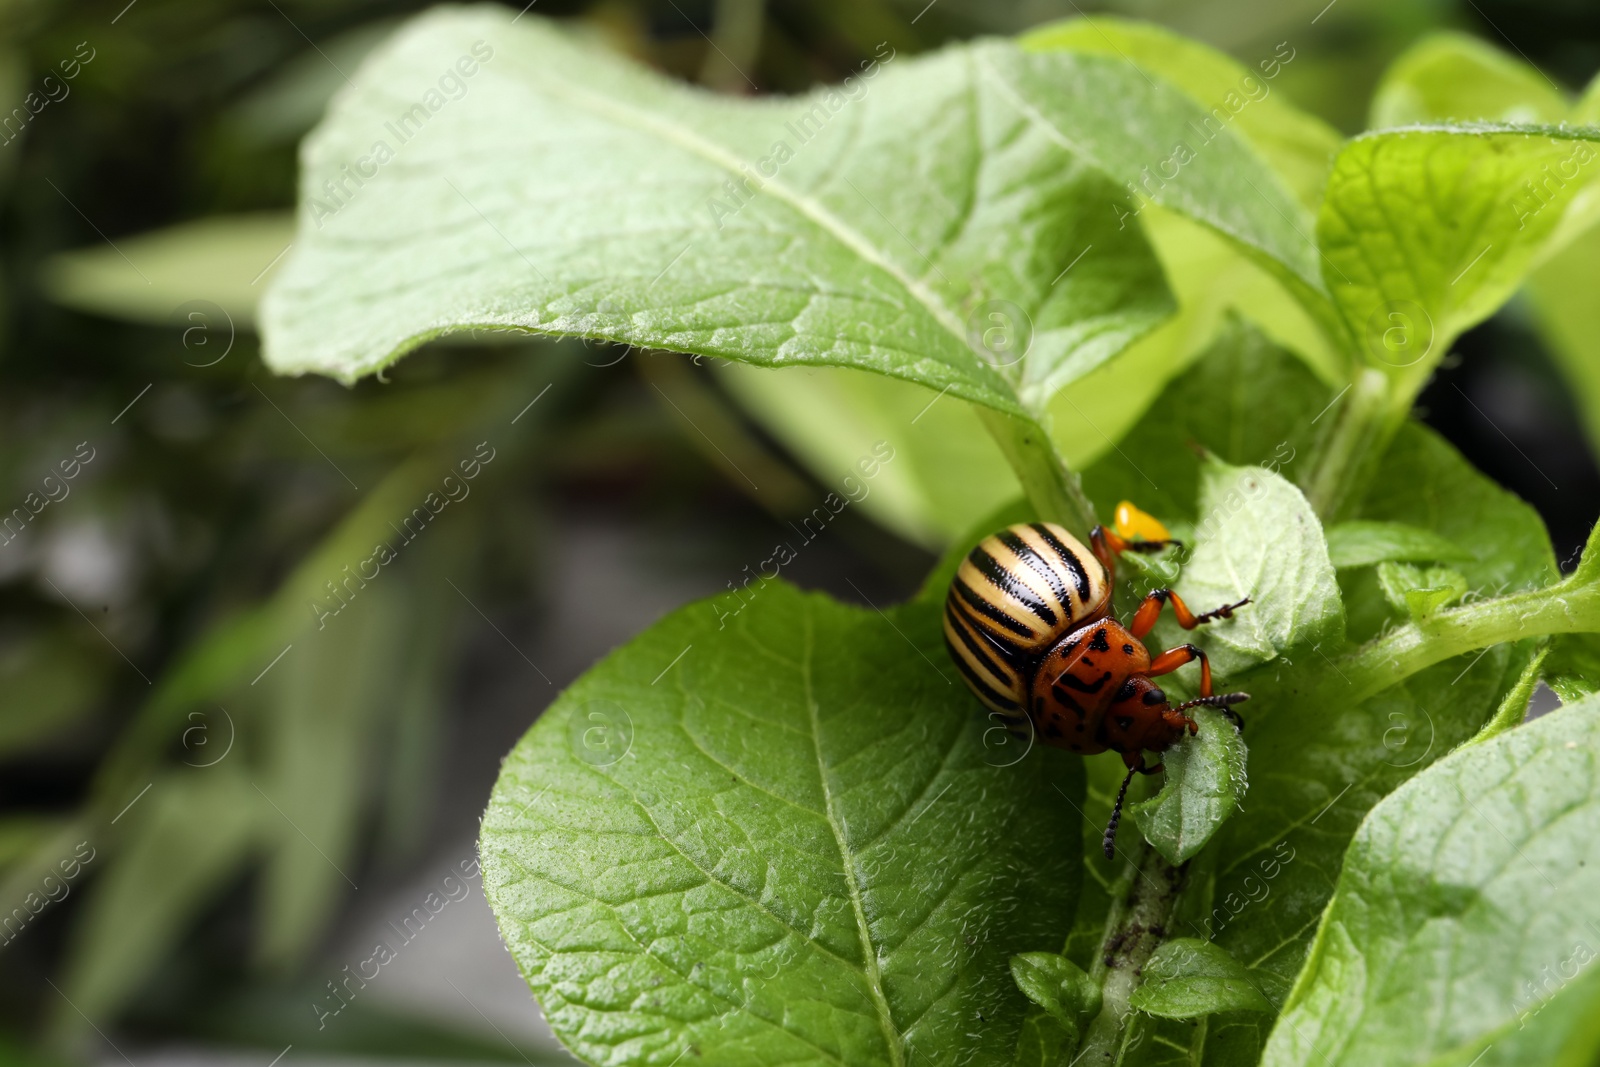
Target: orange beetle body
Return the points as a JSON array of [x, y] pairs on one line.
[[1092, 693]]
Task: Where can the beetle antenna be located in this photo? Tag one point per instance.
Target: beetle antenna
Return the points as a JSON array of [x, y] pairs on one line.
[[1110, 841], [1221, 699]]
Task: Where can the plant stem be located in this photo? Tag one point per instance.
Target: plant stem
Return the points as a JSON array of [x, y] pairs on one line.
[[1053, 489], [1567, 607], [1149, 904], [1360, 426]]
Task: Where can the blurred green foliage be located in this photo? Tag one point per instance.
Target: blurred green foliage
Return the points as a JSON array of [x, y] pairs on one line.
[[166, 691]]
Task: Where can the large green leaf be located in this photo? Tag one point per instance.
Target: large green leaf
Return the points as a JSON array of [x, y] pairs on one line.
[[567, 190], [1155, 140], [1427, 230], [1454, 77], [780, 841], [1464, 908], [1298, 146]]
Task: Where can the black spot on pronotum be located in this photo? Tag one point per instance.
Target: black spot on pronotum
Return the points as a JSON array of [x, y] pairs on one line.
[[1127, 650], [1100, 644]]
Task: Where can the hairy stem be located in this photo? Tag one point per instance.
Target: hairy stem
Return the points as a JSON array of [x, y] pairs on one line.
[[1572, 606], [1359, 425], [1052, 488], [1137, 930]]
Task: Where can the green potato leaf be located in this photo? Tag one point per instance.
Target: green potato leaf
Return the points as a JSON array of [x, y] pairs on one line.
[[1057, 985], [778, 841], [1299, 146], [1420, 592], [1453, 76], [1463, 907], [567, 190], [1427, 230], [1257, 538], [1205, 783], [1188, 979], [1362, 543], [1160, 144]]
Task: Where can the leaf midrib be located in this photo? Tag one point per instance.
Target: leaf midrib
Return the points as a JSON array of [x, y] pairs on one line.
[[693, 142], [869, 954]]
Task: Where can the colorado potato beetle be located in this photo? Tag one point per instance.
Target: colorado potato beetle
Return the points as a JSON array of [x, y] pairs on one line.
[[1028, 621]]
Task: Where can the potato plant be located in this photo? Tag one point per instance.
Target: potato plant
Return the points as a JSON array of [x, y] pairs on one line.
[[1095, 263]]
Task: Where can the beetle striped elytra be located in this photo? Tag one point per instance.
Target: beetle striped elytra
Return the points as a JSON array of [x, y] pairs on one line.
[[1028, 621]]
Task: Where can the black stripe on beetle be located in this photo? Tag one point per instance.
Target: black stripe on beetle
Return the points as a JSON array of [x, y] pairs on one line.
[[1011, 585], [1080, 577], [989, 611], [979, 654], [1030, 556]]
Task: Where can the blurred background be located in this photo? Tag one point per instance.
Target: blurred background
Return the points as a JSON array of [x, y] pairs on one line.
[[204, 828]]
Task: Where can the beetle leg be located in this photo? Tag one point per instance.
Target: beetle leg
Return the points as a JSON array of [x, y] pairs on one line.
[[1173, 658], [1144, 619]]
